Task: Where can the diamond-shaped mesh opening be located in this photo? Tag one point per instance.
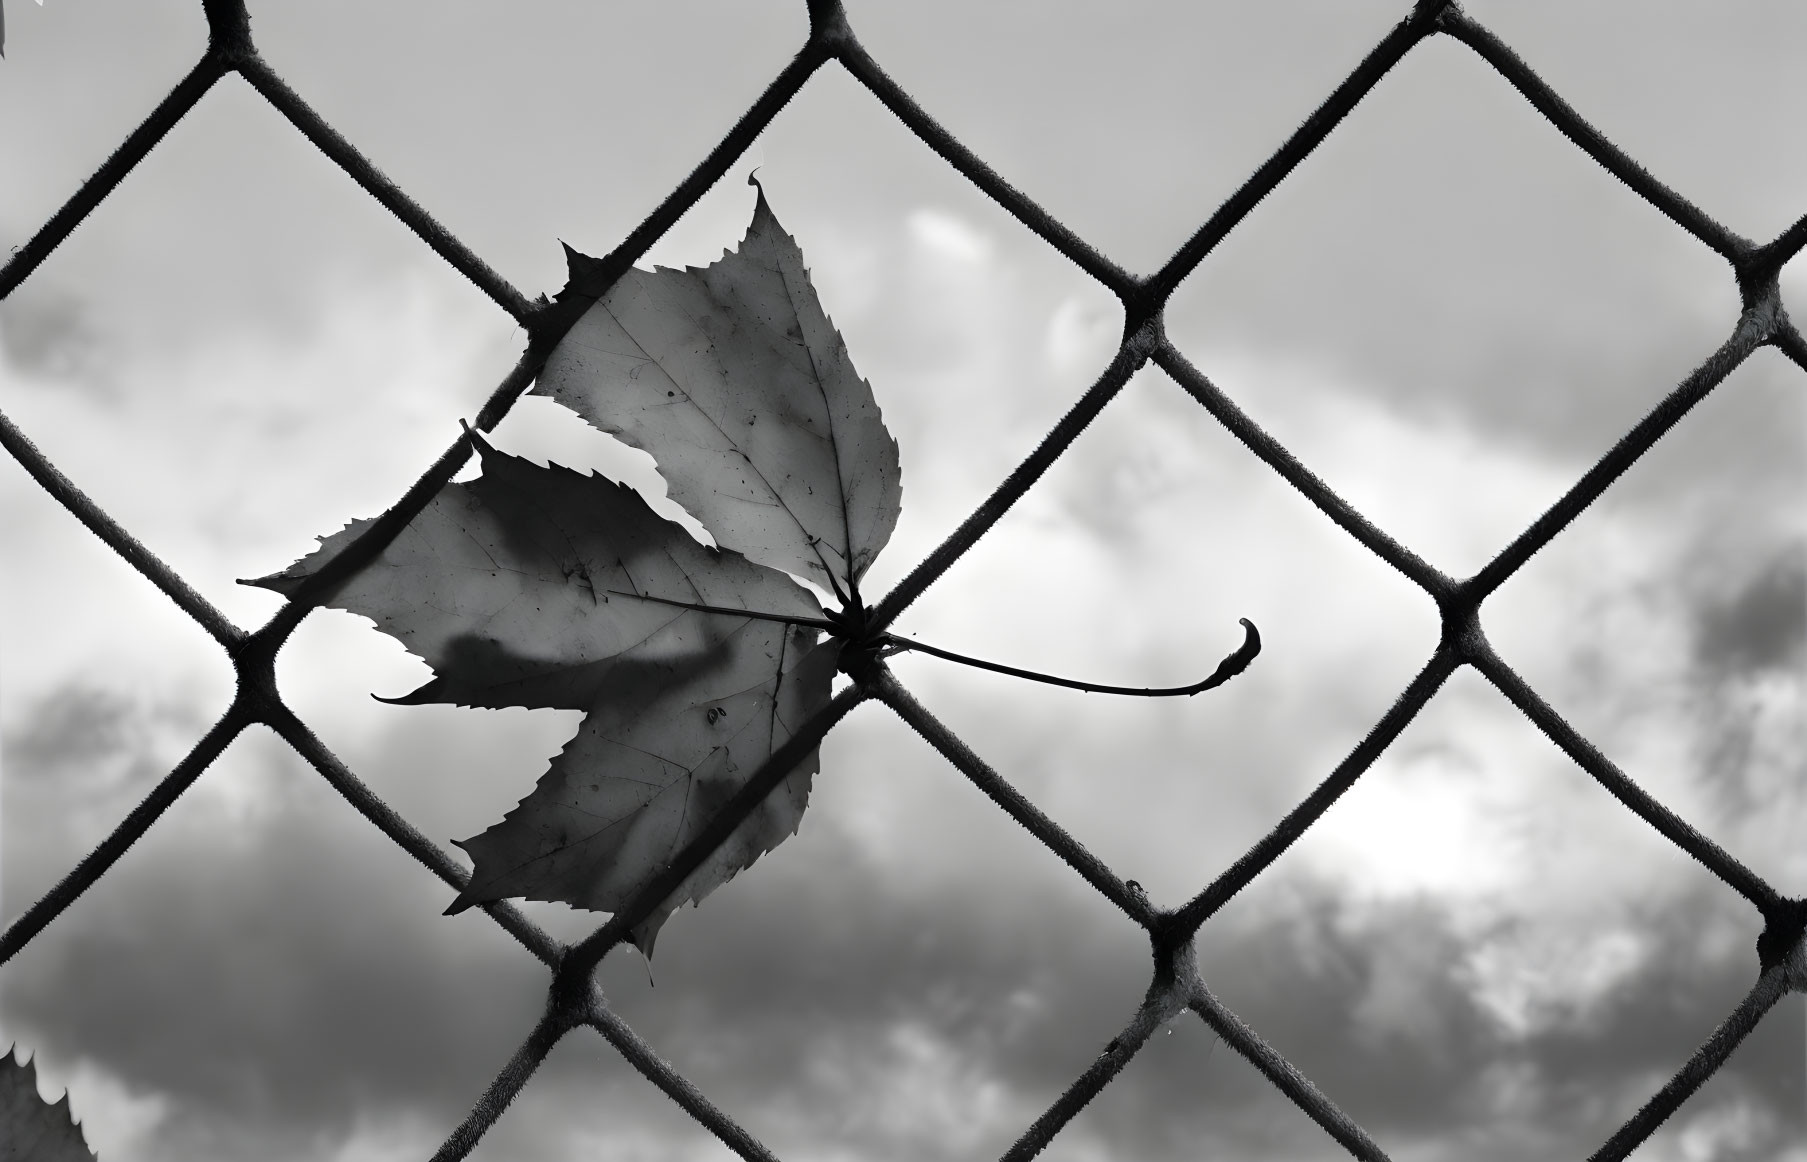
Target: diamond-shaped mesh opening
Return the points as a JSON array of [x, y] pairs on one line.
[[1177, 988]]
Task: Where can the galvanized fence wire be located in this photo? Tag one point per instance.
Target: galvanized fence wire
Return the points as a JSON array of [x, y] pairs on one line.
[[573, 998]]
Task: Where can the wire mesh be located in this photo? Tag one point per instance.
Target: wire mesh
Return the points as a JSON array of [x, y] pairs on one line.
[[573, 998]]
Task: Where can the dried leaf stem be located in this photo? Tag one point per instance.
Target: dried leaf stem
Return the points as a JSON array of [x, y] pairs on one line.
[[1231, 666], [890, 644]]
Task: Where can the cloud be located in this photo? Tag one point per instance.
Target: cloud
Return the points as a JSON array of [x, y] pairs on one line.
[[1082, 337], [1763, 625], [71, 729], [47, 334], [292, 984], [951, 236], [284, 969]]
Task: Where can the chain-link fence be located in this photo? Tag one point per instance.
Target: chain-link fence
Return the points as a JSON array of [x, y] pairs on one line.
[[573, 998]]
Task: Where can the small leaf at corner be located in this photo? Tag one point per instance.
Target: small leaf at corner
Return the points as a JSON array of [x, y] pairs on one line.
[[32, 1129]]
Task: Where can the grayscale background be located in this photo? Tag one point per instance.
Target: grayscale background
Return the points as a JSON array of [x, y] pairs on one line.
[[1447, 312]]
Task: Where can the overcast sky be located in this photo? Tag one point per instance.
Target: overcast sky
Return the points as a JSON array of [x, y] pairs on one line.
[[1448, 312]]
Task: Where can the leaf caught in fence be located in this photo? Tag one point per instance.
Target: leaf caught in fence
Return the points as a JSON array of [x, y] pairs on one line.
[[518, 589], [734, 379], [545, 588], [32, 1129]]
